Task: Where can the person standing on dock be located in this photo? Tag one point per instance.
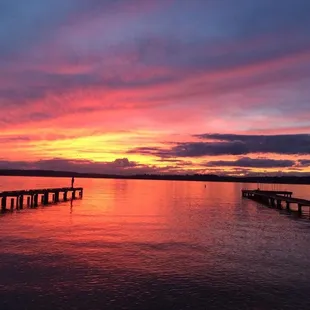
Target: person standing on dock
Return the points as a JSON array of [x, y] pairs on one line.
[[72, 182]]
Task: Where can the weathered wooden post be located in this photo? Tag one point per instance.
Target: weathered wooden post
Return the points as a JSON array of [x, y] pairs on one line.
[[35, 200], [12, 203], [56, 196], [287, 206], [21, 201], [65, 195], [45, 198], [299, 209], [3, 203], [73, 195], [28, 201]]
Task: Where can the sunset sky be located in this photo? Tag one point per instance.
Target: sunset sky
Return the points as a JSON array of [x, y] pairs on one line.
[[156, 86]]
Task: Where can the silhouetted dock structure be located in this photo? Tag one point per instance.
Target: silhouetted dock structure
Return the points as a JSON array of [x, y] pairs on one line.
[[276, 198], [33, 197]]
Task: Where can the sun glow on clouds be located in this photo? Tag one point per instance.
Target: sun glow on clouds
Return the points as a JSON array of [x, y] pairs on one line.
[[84, 84]]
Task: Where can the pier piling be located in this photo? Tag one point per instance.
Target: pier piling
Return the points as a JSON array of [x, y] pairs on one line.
[[21, 201], [35, 200], [45, 198], [299, 209], [3, 203]]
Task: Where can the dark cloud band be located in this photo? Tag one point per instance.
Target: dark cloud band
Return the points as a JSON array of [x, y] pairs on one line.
[[230, 144], [253, 163]]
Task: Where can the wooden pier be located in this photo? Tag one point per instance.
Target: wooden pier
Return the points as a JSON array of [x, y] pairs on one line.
[[33, 197], [275, 199]]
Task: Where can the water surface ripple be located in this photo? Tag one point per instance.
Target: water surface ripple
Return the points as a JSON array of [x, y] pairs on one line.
[[133, 244]]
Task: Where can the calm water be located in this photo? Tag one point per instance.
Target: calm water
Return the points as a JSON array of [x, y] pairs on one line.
[[133, 244]]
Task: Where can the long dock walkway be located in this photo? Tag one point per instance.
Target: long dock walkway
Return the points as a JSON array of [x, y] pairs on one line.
[[275, 198], [33, 197]]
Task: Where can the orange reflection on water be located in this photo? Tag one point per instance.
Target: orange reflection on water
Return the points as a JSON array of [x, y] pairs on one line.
[[147, 225]]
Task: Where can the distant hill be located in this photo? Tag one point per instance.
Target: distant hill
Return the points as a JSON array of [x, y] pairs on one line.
[[194, 177]]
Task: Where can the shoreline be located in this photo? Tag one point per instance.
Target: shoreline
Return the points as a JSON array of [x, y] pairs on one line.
[[300, 180]]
